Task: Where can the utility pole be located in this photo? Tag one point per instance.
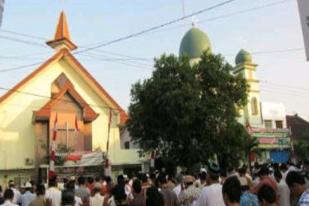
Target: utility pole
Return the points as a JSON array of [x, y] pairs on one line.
[[303, 6]]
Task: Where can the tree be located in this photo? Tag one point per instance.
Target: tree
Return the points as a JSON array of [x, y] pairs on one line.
[[301, 149], [188, 112]]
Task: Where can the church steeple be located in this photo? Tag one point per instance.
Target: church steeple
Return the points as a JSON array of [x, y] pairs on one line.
[[62, 37]]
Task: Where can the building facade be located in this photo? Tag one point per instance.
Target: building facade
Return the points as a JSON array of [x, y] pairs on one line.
[[60, 95]]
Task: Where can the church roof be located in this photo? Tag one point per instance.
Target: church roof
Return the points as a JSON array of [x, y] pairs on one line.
[[89, 114], [84, 74], [62, 35], [194, 43]]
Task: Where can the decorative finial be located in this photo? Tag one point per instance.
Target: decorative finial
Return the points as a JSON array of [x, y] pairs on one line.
[[62, 36], [194, 20]]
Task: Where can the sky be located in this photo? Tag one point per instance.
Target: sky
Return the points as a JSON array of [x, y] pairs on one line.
[[269, 29]]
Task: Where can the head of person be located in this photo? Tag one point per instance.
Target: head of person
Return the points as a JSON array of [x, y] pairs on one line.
[[179, 178], [120, 196], [203, 176], [283, 167], [97, 188], [81, 180], [28, 186], [296, 183], [11, 184], [67, 198], [162, 180], [244, 183], [264, 171], [231, 190], [242, 171], [40, 190], [277, 175], [188, 180], [266, 195], [8, 194], [154, 197], [213, 173], [121, 180], [137, 186], [90, 180], [52, 182], [98, 179], [70, 185]]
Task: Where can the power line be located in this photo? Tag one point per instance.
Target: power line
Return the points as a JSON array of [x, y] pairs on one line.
[[155, 27], [225, 15], [284, 85], [141, 66], [22, 41], [22, 34], [53, 98]]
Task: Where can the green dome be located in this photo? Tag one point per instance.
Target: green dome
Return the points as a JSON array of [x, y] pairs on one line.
[[194, 43], [243, 57]]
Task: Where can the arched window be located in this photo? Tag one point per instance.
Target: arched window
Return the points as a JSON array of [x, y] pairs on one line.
[[254, 106]]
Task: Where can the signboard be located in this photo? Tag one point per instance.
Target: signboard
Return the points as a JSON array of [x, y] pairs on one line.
[[303, 6], [272, 138]]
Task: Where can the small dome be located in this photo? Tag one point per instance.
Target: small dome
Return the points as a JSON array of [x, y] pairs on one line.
[[194, 43], [243, 57]]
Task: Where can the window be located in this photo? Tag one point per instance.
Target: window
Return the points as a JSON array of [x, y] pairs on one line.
[[279, 124], [127, 145], [268, 124], [254, 106]]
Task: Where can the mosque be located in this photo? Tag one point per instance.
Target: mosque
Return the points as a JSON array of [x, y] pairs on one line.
[[62, 96], [264, 120]]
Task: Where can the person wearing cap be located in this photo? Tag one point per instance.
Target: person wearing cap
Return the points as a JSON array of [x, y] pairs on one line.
[[211, 195], [28, 196], [16, 192], [189, 193], [247, 198], [97, 199]]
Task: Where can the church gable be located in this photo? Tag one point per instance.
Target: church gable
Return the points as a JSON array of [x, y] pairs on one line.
[[65, 98], [65, 56]]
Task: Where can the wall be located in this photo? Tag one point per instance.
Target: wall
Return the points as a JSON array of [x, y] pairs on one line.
[[274, 111], [17, 135]]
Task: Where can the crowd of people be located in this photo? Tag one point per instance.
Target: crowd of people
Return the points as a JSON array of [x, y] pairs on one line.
[[284, 185]]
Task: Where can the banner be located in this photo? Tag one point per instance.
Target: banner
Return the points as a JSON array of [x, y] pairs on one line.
[[1, 11], [303, 6]]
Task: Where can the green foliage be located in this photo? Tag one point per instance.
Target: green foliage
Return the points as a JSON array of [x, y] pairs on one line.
[[188, 113], [301, 148]]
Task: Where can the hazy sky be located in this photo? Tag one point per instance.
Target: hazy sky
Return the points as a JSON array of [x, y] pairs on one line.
[[265, 31]]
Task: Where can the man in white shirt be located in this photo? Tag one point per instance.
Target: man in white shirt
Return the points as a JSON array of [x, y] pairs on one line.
[[28, 196], [177, 188], [212, 194], [53, 193], [16, 192], [8, 196]]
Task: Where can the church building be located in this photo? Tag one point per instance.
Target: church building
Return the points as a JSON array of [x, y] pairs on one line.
[[62, 96]]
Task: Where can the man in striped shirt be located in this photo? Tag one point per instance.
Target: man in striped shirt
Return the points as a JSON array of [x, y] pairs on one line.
[[298, 187]]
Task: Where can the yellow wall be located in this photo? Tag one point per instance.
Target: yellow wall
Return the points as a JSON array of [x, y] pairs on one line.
[[17, 139]]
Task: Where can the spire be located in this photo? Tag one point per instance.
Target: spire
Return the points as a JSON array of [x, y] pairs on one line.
[[62, 36]]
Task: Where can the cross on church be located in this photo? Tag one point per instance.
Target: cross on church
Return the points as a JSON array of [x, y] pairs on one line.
[[67, 130]]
